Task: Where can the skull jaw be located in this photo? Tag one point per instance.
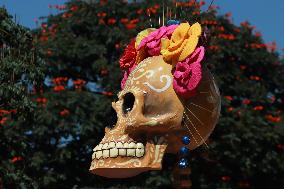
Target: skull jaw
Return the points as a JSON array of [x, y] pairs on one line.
[[124, 167], [122, 172]]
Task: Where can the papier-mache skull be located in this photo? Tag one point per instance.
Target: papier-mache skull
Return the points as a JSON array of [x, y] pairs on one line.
[[166, 94]]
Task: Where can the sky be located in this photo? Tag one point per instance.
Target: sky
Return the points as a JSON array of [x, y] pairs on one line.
[[266, 15]]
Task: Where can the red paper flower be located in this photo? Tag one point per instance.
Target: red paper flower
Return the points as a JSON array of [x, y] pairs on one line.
[[129, 56]]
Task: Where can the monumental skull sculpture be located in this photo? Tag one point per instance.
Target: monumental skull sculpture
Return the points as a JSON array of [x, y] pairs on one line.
[[153, 112]]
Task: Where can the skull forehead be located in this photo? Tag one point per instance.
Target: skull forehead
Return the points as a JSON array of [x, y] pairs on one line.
[[152, 75]]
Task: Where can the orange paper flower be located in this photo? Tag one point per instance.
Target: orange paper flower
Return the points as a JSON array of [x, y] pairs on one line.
[[182, 43]]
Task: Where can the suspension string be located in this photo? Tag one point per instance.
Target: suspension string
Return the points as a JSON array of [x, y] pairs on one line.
[[212, 1]]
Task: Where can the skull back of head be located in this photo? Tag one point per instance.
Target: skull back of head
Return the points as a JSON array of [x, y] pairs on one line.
[[152, 117]]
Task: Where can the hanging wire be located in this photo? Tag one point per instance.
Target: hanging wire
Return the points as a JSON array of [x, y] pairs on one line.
[[150, 20], [167, 14], [212, 1], [163, 13], [176, 12]]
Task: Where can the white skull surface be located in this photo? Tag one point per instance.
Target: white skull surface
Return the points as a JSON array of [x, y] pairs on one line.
[[152, 119]]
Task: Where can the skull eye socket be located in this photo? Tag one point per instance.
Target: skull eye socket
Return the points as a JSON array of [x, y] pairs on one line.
[[128, 102]]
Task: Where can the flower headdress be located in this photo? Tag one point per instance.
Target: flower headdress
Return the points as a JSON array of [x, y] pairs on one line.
[[178, 44]]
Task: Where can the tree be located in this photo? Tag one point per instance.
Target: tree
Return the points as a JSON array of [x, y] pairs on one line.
[[247, 144], [21, 69], [82, 45]]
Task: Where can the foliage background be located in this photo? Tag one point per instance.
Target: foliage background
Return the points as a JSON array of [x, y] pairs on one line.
[[48, 142]]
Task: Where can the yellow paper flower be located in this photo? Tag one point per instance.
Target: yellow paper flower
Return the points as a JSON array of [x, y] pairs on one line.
[[182, 43], [141, 35]]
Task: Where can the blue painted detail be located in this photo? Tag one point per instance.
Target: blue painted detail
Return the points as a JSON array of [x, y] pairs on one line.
[[183, 163], [184, 150], [173, 22], [185, 140]]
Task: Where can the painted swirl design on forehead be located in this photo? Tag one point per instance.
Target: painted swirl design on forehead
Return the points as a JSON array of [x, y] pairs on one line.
[[141, 71]]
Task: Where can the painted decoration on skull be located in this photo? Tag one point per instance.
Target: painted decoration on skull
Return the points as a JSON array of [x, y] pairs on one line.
[[166, 94]]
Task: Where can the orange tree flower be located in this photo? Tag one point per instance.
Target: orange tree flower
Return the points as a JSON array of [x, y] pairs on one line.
[[257, 108], [16, 158]]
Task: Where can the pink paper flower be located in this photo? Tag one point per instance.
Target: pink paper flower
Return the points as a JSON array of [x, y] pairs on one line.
[[152, 43], [126, 74], [188, 74]]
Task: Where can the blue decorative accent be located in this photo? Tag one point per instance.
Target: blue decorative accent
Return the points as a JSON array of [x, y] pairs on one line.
[[173, 22], [185, 140], [184, 150], [183, 163]]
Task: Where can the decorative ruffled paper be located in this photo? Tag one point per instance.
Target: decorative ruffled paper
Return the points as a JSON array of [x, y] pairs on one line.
[[188, 74], [141, 35], [129, 56], [152, 43], [182, 43]]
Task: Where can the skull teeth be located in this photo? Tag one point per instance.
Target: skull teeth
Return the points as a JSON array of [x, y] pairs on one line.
[[113, 150], [105, 153]]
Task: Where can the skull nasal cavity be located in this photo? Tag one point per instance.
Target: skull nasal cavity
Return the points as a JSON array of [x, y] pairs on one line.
[[128, 102], [112, 118]]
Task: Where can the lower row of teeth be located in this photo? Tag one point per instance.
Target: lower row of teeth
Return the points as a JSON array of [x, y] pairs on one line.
[[114, 152]]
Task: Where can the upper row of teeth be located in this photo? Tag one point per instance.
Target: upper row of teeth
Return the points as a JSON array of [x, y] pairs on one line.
[[110, 145], [113, 149]]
